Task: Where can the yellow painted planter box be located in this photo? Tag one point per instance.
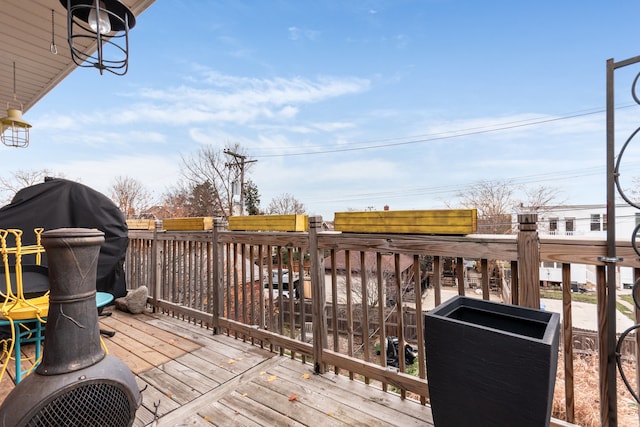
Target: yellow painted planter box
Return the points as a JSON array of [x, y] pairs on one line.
[[269, 223], [141, 224], [188, 224], [444, 221]]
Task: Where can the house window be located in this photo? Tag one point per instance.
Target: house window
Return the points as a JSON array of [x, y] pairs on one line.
[[604, 222], [595, 222], [569, 225], [549, 264], [553, 225], [637, 218]]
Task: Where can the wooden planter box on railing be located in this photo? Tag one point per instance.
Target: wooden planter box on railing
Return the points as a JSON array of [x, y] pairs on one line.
[[269, 223], [141, 224], [444, 221], [188, 224]]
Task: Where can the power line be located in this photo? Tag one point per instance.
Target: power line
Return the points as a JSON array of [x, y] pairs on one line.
[[386, 143], [449, 189], [440, 189]]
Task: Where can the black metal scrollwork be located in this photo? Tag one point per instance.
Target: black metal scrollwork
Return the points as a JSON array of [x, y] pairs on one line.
[[634, 244]]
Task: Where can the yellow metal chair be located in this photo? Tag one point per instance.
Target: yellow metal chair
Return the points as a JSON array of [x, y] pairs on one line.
[[22, 314]]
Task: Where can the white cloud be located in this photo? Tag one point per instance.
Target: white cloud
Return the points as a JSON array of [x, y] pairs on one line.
[[296, 33], [220, 98], [155, 172], [332, 126]]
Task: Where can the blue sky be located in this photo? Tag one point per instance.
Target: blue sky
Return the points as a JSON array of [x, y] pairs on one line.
[[352, 104]]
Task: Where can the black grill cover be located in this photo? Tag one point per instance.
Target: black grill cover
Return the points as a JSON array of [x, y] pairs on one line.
[[60, 203]]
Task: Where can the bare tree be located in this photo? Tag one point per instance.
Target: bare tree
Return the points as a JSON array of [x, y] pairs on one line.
[[540, 199], [130, 195], [494, 203], [211, 166], [20, 179], [285, 204], [175, 202]]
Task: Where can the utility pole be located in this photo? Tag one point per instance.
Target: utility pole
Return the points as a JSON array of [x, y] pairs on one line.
[[239, 162]]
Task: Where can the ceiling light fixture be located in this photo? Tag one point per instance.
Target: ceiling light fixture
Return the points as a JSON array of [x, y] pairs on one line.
[[107, 23], [14, 131]]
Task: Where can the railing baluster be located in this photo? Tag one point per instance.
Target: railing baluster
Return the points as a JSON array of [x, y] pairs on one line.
[[301, 298], [567, 335], [261, 297], [349, 308], [334, 305], [417, 286], [515, 284], [243, 284], [382, 322], [291, 302], [437, 281], [484, 267], [271, 307], [400, 321], [364, 304], [252, 286], [229, 268], [459, 275], [280, 297]]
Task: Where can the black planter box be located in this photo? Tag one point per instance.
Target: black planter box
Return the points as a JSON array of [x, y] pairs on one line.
[[490, 363]]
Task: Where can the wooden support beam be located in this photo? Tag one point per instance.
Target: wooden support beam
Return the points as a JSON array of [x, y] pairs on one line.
[[529, 261]]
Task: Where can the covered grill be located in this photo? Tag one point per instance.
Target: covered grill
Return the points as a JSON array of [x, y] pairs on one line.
[[76, 384]]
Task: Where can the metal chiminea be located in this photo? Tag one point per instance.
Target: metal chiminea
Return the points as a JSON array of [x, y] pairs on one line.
[[76, 384]]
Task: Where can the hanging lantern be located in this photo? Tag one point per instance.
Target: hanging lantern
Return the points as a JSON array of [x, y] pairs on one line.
[[107, 23], [14, 131]]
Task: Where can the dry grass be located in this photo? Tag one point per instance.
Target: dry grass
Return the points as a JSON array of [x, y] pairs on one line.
[[587, 394]]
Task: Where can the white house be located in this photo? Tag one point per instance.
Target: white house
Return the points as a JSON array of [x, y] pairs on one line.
[[585, 221]]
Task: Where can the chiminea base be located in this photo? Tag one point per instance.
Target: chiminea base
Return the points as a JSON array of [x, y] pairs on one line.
[[105, 394]]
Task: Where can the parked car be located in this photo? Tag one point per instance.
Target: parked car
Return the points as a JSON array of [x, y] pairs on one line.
[[285, 288]]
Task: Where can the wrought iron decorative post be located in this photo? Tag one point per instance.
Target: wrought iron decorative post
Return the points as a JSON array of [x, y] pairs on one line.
[[608, 391]]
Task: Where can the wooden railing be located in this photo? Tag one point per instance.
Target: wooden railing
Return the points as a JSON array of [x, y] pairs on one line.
[[224, 280]]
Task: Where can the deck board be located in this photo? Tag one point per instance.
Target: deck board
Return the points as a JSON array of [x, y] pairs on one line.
[[339, 388], [118, 348], [188, 376], [257, 412]]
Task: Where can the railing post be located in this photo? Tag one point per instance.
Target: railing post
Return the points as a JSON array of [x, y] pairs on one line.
[[528, 261], [318, 295], [219, 224], [156, 266]]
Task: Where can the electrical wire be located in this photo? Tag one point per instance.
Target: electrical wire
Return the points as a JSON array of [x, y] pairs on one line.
[[418, 139]]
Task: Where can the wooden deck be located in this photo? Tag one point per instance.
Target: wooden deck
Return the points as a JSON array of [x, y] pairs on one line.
[[192, 377]]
